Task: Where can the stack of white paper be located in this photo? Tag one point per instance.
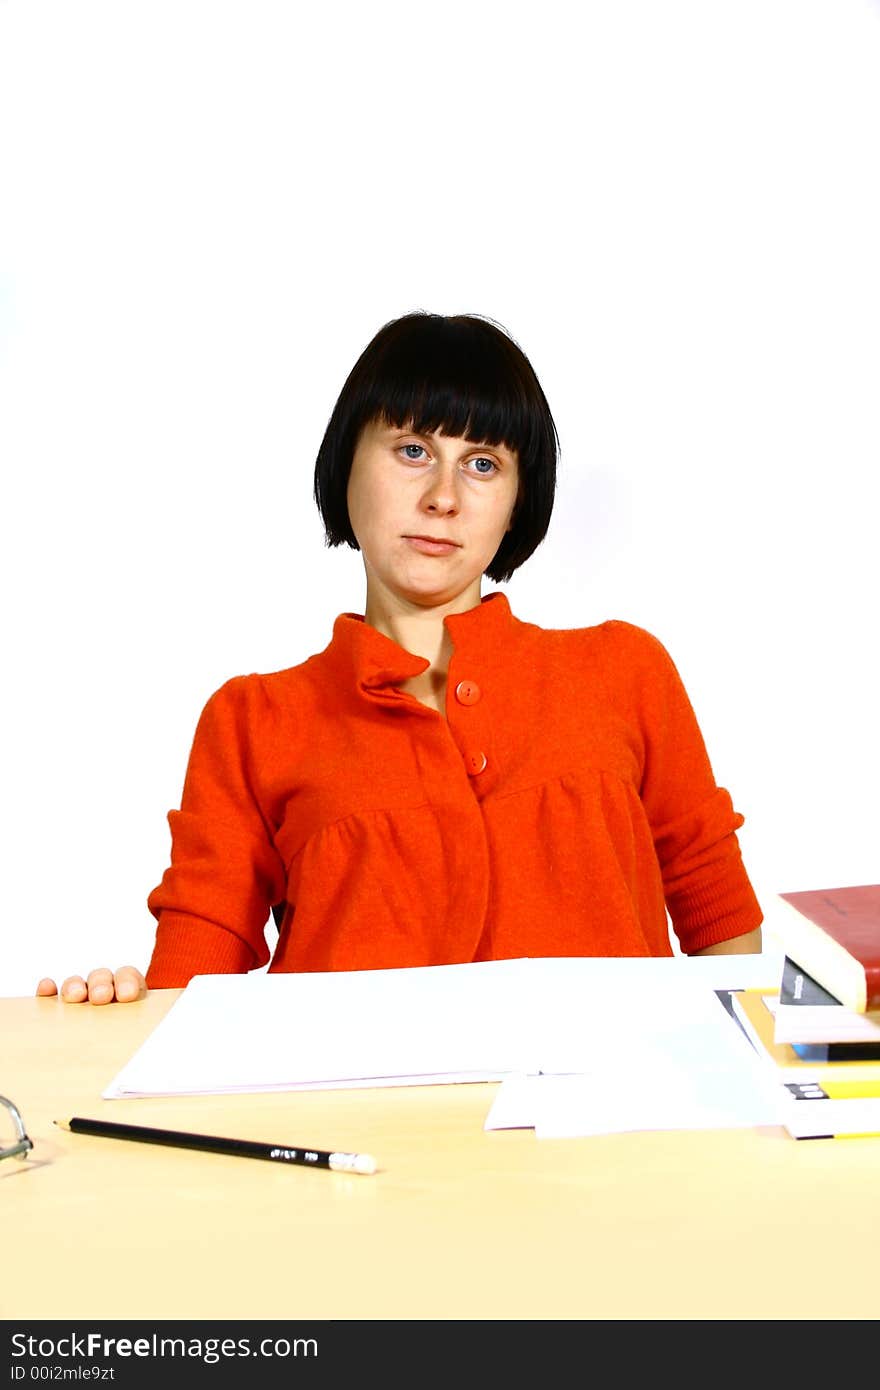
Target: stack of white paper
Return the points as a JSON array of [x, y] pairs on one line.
[[631, 1043], [265, 1032]]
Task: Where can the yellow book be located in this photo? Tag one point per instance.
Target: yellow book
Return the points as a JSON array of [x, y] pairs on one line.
[[828, 1100], [835, 1078]]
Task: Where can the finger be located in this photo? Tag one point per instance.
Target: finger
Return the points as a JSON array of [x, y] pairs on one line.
[[130, 984], [74, 990], [46, 987], [100, 986]]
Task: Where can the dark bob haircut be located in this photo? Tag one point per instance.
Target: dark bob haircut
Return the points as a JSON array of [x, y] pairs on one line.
[[463, 376]]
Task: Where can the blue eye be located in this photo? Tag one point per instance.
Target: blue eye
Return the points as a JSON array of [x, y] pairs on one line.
[[418, 450], [485, 471]]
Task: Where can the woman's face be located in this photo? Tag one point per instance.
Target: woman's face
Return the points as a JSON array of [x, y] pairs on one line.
[[428, 511]]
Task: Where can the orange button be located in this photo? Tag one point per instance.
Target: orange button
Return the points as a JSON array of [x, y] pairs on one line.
[[475, 763], [467, 692]]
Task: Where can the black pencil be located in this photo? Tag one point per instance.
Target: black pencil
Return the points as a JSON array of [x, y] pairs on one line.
[[211, 1143]]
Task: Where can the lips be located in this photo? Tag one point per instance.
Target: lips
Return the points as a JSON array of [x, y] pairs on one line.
[[432, 545]]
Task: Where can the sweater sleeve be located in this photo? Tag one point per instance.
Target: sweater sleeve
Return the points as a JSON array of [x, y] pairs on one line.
[[709, 895], [225, 872]]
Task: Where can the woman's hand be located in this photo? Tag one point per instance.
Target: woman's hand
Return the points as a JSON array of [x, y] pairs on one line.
[[99, 987]]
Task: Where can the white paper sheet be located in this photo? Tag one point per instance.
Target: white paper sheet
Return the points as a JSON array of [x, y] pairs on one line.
[[688, 1068]]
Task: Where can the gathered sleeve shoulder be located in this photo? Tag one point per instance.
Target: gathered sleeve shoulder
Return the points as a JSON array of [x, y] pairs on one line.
[[693, 822], [225, 873]]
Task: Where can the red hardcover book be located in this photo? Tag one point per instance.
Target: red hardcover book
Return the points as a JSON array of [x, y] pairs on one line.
[[834, 934]]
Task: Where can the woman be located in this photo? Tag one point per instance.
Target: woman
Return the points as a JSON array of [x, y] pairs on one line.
[[444, 783]]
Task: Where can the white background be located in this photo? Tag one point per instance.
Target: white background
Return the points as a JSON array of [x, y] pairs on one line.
[[208, 209]]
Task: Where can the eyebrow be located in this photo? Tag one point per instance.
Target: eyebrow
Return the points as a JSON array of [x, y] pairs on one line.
[[394, 431]]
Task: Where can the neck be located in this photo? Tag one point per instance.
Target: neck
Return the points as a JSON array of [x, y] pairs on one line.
[[419, 629]]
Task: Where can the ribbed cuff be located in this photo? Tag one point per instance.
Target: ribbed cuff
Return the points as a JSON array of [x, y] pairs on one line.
[[715, 912], [187, 946]]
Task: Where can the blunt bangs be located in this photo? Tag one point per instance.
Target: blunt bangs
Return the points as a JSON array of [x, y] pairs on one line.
[[461, 376]]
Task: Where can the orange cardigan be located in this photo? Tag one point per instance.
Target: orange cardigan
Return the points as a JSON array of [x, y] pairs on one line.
[[562, 807]]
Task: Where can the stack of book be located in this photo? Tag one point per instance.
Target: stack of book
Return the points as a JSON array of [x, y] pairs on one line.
[[820, 1030]]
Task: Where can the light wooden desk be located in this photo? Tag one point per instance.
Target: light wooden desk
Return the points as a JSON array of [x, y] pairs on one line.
[[458, 1224]]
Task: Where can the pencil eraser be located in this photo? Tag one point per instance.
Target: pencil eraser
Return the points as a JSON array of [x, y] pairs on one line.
[[353, 1163]]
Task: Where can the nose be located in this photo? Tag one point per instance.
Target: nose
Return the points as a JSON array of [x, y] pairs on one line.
[[441, 496]]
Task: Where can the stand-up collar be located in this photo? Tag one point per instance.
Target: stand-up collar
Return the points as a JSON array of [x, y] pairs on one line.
[[373, 661]]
